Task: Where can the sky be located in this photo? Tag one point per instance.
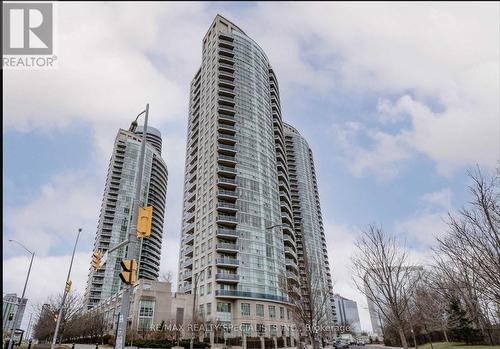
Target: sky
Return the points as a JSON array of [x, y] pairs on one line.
[[397, 101]]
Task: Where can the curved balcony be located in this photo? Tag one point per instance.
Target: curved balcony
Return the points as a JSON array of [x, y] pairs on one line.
[[226, 92], [226, 149], [226, 160], [226, 207], [227, 262], [227, 247], [229, 195], [227, 278], [287, 240], [227, 233], [226, 129], [224, 52], [226, 171], [226, 139], [293, 277], [228, 183], [227, 220]]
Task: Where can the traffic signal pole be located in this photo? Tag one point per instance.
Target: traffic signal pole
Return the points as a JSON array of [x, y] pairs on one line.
[[132, 237], [66, 291]]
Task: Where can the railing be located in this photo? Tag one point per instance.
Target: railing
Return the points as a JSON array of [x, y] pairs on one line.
[[229, 232], [227, 246], [226, 157], [243, 294], [227, 169], [231, 261], [224, 217], [226, 192], [226, 276], [226, 205]]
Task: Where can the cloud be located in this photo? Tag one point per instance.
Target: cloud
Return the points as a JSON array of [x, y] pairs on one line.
[[113, 59], [428, 222], [48, 224], [434, 66], [47, 277]]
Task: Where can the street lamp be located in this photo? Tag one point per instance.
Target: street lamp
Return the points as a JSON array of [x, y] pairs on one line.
[[11, 340], [131, 240], [195, 290]]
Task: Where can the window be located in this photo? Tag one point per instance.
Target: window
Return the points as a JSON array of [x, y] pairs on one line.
[[209, 288], [288, 314], [209, 308], [259, 310], [202, 309], [146, 313], [245, 309], [209, 272], [272, 311], [282, 313], [202, 290]]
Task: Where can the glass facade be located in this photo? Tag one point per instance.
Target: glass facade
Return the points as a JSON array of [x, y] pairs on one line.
[[116, 212]]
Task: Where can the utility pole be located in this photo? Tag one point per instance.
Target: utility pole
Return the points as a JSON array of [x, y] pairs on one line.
[[66, 291], [16, 317], [132, 237]]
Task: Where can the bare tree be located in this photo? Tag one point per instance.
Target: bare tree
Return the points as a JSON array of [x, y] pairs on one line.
[[46, 315], [467, 257], [383, 275], [167, 276]]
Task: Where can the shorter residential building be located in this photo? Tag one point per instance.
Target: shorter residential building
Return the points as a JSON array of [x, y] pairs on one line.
[[347, 313], [10, 307], [152, 305]]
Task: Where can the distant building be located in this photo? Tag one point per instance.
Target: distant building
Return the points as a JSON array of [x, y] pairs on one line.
[[152, 304], [347, 313], [10, 308]]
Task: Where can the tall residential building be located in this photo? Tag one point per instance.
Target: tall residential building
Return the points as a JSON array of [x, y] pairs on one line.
[[347, 313], [238, 236], [308, 221], [11, 305], [116, 211]]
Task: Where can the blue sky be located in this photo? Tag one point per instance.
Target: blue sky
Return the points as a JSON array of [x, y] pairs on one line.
[[396, 101]]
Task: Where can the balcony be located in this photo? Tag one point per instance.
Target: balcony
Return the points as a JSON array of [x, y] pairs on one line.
[[291, 264], [187, 288], [188, 250], [188, 263], [227, 220], [223, 52], [226, 277], [226, 160], [227, 247], [227, 194], [226, 45], [187, 275], [289, 241], [189, 240], [226, 207], [227, 119], [189, 228], [226, 76], [227, 92], [293, 277], [289, 252], [227, 262], [244, 294], [226, 129], [226, 171], [226, 60], [226, 67], [227, 233], [226, 149], [226, 139], [229, 183], [226, 84]]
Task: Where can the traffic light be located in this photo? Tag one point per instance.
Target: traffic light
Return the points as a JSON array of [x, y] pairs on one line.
[[96, 260], [129, 273], [68, 286], [144, 221]]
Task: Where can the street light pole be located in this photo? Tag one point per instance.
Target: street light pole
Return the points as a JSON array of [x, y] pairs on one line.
[[195, 290], [131, 249], [54, 340], [11, 340]]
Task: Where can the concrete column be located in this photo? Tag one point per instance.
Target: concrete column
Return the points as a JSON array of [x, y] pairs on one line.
[[275, 341], [244, 341], [212, 338], [262, 343]]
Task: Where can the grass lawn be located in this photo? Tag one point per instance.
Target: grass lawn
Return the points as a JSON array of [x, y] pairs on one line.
[[444, 345]]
